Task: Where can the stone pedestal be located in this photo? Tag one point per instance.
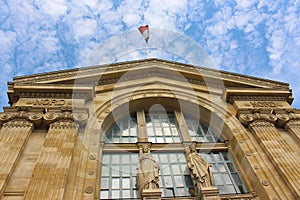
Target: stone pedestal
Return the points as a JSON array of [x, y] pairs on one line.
[[209, 193], [151, 194]]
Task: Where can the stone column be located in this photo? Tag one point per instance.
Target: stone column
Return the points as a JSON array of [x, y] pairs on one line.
[[52, 168], [292, 124], [283, 156], [13, 137]]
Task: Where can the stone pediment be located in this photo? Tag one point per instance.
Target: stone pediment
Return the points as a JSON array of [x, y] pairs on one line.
[[62, 83]]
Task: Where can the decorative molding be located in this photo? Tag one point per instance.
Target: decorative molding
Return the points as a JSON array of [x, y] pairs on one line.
[[63, 123], [73, 74], [49, 95], [18, 123], [20, 118], [161, 74], [260, 119], [252, 98]]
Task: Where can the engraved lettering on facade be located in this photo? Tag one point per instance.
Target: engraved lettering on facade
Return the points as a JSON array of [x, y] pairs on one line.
[[262, 104], [49, 102]]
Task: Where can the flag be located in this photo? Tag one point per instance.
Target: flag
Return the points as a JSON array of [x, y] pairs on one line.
[[144, 30]]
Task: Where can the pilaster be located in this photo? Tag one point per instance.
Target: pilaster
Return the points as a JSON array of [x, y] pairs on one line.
[[285, 159], [292, 124], [14, 134], [51, 172]]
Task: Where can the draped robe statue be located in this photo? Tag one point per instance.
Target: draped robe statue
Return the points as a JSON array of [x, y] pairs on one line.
[[147, 171], [201, 170]]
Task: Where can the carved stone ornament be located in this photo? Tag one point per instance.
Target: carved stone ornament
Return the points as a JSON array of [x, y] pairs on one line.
[[4, 117], [200, 169], [35, 118], [246, 119], [280, 119], [80, 117], [18, 123], [63, 124], [89, 190], [50, 117], [147, 170]]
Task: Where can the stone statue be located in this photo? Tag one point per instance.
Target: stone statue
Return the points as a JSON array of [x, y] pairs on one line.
[[147, 170], [201, 170]]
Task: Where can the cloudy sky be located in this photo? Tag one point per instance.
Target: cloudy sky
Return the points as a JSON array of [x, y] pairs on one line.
[[252, 37]]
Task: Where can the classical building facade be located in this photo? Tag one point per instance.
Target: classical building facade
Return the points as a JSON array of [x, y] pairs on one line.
[[149, 129]]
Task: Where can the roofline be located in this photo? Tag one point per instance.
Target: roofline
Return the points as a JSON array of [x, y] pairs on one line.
[[147, 60]]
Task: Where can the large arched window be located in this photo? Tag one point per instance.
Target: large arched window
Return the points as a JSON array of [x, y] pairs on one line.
[[168, 133]]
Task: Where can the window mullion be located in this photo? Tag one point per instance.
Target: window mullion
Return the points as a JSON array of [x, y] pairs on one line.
[[142, 129], [182, 126]]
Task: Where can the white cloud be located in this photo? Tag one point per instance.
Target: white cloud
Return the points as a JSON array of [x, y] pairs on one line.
[[252, 36], [54, 8]]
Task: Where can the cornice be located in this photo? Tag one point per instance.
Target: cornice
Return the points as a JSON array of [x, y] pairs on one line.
[[256, 94], [123, 66]]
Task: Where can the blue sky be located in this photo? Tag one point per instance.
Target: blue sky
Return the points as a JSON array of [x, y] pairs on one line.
[[251, 37]]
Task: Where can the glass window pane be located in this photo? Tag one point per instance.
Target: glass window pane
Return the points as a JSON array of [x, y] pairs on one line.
[[165, 127], [226, 177], [105, 183], [120, 131], [125, 183], [121, 183], [115, 183], [200, 132], [179, 182], [221, 167], [172, 182], [176, 169], [125, 193], [104, 194], [218, 179], [168, 181], [115, 194], [105, 171]]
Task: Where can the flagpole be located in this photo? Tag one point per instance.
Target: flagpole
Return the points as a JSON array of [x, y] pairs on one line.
[[147, 49]]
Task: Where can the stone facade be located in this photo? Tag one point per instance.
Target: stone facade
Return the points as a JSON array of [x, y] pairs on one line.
[[52, 135]]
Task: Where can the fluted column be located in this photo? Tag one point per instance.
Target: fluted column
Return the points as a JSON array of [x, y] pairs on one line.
[[293, 127], [283, 156], [52, 167], [13, 137]]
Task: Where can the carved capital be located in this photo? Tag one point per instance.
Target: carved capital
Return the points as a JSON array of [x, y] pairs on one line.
[[5, 117], [50, 117], [16, 116], [260, 119], [80, 117], [35, 118]]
